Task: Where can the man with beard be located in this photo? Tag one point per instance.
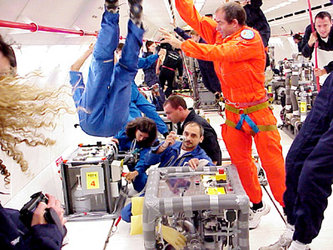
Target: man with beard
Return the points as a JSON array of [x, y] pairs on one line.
[[176, 153]]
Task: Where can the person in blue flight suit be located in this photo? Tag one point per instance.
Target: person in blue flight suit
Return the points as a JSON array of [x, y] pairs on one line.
[[209, 77], [150, 73], [151, 78], [309, 174], [138, 103], [106, 121], [105, 99], [175, 153], [140, 136]]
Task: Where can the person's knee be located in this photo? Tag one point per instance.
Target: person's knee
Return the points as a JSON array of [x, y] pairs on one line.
[[126, 213]]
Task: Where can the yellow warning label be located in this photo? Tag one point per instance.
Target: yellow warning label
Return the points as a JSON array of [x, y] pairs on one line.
[[92, 180], [215, 190], [303, 107], [269, 89]]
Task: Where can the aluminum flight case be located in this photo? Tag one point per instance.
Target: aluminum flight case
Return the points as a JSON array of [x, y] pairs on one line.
[[87, 178], [208, 206]]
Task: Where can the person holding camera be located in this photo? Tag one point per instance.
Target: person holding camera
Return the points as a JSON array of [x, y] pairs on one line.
[[172, 152], [176, 110], [140, 135], [18, 99]]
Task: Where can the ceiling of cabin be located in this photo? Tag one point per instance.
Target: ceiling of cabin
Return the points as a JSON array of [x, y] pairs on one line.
[[86, 15]]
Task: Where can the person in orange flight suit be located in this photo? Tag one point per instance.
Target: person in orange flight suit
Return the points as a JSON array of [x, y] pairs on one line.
[[239, 61]]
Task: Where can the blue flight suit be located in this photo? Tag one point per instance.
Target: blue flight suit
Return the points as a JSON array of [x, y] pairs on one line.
[[140, 104], [169, 157], [15, 235], [124, 145], [150, 72], [209, 77], [104, 101], [309, 168]]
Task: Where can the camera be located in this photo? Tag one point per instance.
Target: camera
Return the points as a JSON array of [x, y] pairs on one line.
[[51, 216], [180, 138], [29, 208]]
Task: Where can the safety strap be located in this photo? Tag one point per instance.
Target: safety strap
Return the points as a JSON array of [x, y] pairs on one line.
[[260, 127], [249, 121], [248, 110], [244, 117]]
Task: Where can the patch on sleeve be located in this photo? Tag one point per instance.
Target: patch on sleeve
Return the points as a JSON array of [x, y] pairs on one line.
[[247, 34]]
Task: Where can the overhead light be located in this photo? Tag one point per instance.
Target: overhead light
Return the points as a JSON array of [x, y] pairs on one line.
[[280, 5]]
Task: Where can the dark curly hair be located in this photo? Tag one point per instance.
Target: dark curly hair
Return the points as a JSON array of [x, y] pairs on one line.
[[8, 52], [145, 125]]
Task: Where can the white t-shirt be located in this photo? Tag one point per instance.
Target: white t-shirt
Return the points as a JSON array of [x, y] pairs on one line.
[[182, 152]]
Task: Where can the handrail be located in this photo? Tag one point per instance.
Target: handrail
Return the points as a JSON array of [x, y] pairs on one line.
[[33, 27]]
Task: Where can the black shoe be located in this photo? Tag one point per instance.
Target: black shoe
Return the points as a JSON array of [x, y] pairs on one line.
[[131, 2], [136, 11], [112, 6]]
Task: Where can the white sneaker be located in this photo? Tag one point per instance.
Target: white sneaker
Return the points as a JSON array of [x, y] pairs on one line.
[[284, 241], [296, 245], [255, 215]]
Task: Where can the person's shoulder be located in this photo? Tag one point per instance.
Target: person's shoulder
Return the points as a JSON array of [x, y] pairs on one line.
[[249, 33], [308, 29]]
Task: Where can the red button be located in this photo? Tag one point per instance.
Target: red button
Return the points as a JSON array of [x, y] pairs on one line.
[[221, 171]]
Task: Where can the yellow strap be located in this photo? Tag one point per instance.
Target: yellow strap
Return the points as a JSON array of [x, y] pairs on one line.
[[246, 110], [261, 127]]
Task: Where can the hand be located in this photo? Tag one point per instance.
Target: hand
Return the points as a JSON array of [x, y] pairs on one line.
[[313, 39], [91, 47], [114, 140], [319, 72], [162, 53], [38, 217], [169, 38], [170, 139], [131, 175], [193, 163]]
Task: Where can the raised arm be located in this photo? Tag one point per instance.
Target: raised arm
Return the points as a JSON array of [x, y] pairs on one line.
[[76, 66], [206, 27]]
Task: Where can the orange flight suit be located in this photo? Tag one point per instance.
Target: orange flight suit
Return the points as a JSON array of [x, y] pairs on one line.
[[239, 61]]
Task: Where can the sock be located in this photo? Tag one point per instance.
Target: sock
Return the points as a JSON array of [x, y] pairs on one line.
[[136, 12], [112, 6], [256, 206], [296, 245]]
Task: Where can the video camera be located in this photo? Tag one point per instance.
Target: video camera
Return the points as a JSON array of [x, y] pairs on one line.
[[51, 216]]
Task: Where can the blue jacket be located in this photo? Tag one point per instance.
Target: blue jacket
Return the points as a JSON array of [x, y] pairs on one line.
[[140, 104], [125, 145], [15, 235], [150, 72], [169, 157]]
